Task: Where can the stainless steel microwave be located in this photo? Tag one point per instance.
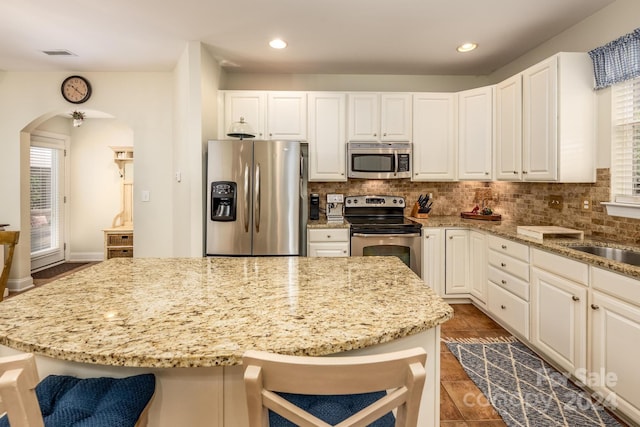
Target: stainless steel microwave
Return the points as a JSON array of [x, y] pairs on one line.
[[379, 160]]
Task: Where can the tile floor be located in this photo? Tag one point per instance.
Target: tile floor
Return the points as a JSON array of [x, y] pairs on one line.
[[456, 388]]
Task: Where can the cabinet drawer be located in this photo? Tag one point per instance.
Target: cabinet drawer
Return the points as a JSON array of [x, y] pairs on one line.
[[565, 267], [511, 310], [510, 265], [329, 235], [624, 287], [509, 247], [120, 253], [328, 249], [124, 239], [509, 282]]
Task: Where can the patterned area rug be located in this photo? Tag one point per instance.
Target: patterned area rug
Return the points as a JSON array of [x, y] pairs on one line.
[[524, 389]]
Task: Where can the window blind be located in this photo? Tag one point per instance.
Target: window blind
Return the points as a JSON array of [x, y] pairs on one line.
[[625, 142], [44, 203]]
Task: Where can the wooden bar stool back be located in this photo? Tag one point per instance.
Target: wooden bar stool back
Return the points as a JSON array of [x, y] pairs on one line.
[[9, 239], [326, 386]]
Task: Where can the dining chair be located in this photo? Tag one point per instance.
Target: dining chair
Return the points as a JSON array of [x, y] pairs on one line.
[[10, 239], [325, 391], [63, 401]]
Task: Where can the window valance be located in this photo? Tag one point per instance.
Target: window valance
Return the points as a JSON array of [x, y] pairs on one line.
[[617, 61]]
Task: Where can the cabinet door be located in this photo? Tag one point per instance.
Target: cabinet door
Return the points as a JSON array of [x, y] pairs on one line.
[[508, 132], [540, 120], [615, 345], [364, 117], [328, 249], [559, 319], [250, 105], [327, 136], [432, 260], [478, 265], [434, 137], [287, 115], [457, 262], [395, 117], [475, 133]]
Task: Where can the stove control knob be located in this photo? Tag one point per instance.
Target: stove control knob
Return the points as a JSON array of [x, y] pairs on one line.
[[395, 201], [355, 201], [348, 201]]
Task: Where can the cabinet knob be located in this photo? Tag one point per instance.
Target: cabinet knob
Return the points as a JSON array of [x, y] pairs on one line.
[[504, 246], [328, 236], [595, 307], [575, 298], [503, 264], [426, 236], [524, 172], [504, 307], [344, 252], [375, 134], [450, 237], [515, 172], [504, 282], [486, 173]]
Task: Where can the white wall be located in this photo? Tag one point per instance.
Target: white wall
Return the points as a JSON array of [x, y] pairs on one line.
[[141, 101]]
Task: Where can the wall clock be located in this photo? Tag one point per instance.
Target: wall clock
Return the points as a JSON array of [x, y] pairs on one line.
[[76, 89]]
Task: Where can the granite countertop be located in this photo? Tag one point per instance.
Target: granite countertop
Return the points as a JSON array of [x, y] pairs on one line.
[[559, 245], [198, 312]]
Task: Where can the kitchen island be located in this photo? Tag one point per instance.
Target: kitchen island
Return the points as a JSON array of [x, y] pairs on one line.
[[190, 320]]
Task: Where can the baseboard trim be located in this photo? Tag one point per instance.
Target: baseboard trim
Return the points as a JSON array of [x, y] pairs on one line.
[[19, 285], [86, 256]]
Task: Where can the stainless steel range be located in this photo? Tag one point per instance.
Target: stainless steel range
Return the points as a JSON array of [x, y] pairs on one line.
[[379, 228]]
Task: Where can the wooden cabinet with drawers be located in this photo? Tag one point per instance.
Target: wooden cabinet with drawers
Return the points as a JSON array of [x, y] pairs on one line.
[[328, 242], [118, 242]]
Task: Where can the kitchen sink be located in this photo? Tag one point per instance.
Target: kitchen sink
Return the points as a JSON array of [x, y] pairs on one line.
[[625, 256]]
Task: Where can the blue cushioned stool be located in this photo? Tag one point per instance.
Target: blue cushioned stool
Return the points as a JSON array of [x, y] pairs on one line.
[[66, 401]]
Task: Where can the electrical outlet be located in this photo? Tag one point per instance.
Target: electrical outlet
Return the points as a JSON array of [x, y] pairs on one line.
[[586, 204], [555, 202]]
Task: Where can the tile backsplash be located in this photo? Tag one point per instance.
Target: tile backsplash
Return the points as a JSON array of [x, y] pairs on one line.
[[525, 203]]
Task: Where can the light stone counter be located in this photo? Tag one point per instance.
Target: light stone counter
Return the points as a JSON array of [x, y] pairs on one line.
[[560, 246], [130, 315]]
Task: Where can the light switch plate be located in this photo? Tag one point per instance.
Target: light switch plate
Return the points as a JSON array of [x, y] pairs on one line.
[[335, 198]]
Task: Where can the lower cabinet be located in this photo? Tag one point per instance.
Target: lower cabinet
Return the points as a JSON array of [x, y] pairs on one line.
[[456, 261], [478, 267], [511, 310], [328, 242], [559, 320], [614, 316], [433, 258]]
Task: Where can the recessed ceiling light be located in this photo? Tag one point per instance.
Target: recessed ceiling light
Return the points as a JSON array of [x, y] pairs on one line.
[[467, 47], [278, 44]]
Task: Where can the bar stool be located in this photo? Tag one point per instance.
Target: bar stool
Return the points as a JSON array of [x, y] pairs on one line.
[[10, 239]]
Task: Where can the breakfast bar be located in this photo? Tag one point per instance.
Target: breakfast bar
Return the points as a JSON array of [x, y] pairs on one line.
[[189, 320]]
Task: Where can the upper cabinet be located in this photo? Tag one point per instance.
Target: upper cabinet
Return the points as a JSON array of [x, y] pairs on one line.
[[434, 137], [379, 117], [250, 105], [508, 134], [558, 122], [272, 115], [327, 136], [287, 115], [475, 134]]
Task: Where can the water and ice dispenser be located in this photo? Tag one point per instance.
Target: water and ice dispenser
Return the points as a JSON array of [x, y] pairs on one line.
[[223, 201]]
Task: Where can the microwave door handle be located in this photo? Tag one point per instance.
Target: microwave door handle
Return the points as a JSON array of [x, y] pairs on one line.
[[246, 198], [395, 155]]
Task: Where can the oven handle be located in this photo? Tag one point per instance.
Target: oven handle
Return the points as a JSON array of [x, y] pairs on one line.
[[386, 235]]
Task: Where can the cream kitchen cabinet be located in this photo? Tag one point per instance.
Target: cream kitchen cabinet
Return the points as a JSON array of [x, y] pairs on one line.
[[328, 242], [558, 122], [379, 117], [478, 267], [434, 137], [249, 105], [271, 115], [508, 284], [508, 129], [559, 310], [433, 249], [475, 134], [327, 136], [456, 261], [614, 315], [287, 115]]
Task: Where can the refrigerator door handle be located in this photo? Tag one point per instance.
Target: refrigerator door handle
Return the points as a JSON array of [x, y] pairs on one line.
[[256, 213], [246, 197]]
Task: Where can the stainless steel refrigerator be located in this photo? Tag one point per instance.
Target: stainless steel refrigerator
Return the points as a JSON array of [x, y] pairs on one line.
[[256, 194]]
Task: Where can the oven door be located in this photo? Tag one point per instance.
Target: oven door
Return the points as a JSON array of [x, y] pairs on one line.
[[407, 247]]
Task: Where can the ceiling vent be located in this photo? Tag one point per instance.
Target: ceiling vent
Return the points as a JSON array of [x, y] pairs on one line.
[[58, 52]]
